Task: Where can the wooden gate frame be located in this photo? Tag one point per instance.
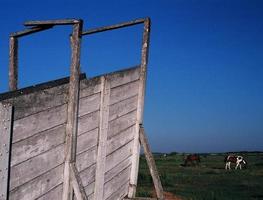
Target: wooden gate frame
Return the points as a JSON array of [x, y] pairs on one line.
[[72, 181], [140, 136], [71, 178]]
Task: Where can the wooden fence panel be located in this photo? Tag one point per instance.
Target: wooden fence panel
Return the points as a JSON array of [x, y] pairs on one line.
[[39, 186], [115, 184], [54, 193], [36, 166], [38, 142]]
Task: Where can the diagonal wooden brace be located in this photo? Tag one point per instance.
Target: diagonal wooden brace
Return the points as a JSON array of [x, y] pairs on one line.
[[77, 185], [151, 164]]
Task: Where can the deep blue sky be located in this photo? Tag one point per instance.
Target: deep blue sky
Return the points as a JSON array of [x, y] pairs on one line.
[[204, 87]]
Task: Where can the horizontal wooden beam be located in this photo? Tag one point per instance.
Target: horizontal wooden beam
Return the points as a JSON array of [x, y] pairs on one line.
[[116, 26], [30, 31], [52, 22]]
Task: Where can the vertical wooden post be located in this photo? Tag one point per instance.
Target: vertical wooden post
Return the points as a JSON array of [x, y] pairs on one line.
[[151, 164], [13, 63], [5, 148], [72, 112], [103, 129], [140, 108]]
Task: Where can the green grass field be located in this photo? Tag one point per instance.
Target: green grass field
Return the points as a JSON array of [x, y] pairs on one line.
[[208, 181]]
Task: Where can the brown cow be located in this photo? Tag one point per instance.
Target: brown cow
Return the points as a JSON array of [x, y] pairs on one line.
[[194, 159]]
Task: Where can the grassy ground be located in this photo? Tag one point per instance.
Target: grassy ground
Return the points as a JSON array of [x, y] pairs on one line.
[[208, 181]]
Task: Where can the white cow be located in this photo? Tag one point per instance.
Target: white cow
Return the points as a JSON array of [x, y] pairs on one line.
[[238, 160]]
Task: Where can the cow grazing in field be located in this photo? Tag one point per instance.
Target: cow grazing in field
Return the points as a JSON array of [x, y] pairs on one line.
[[238, 160], [193, 159]]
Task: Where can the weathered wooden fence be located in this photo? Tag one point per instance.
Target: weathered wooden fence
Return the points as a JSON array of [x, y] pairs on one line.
[[106, 129], [46, 152]]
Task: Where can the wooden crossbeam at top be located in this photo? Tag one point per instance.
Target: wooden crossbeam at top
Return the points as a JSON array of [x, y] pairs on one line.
[[52, 22], [115, 26], [31, 30]]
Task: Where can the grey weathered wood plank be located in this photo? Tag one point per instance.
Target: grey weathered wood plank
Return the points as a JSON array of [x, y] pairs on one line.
[[120, 139], [55, 193], [5, 144], [89, 104], [36, 166], [37, 144], [88, 122], [120, 193], [39, 186], [86, 159], [87, 140], [117, 157], [117, 169], [117, 182], [42, 121], [44, 99], [124, 91], [120, 124], [120, 78], [102, 141], [123, 107], [88, 175], [89, 189], [38, 101], [89, 87], [41, 100]]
